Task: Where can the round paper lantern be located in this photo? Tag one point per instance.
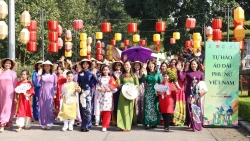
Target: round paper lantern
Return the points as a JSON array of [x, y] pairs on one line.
[[83, 52], [239, 15], [190, 23], [126, 42], [3, 30], [118, 36], [110, 47], [136, 38], [156, 37], [156, 42], [99, 57], [25, 18], [109, 52], [24, 36], [83, 44], [78, 24], [142, 42], [98, 51], [3, 9], [197, 44], [83, 37], [53, 47], [68, 46], [209, 31], [68, 53], [160, 26], [68, 35], [89, 40], [31, 46], [157, 49], [33, 36], [52, 25], [98, 44], [32, 26], [196, 36], [240, 23], [176, 35], [132, 28], [88, 57], [113, 42], [59, 30], [217, 35], [98, 35], [60, 42], [239, 33], [217, 23], [187, 43], [106, 27], [172, 41], [53, 36]]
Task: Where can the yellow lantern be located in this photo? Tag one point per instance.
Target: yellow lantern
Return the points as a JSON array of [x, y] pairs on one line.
[[98, 35], [122, 45], [83, 52], [197, 44], [118, 36], [239, 15], [196, 36], [89, 40], [3, 30], [136, 38], [110, 57], [3, 9], [68, 54], [176, 35], [109, 52], [239, 33], [25, 18], [110, 47], [156, 37], [24, 36], [83, 37], [83, 44]]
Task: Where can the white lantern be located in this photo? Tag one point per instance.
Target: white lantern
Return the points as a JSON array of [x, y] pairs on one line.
[[89, 40], [3, 9], [25, 18], [3, 30], [209, 31], [24, 36], [88, 48]]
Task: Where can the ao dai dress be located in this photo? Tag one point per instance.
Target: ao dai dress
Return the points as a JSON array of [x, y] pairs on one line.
[[36, 96]]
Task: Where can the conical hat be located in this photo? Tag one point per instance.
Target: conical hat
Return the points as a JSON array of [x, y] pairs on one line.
[[130, 91]]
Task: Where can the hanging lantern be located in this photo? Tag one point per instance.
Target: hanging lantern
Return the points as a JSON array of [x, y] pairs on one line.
[[157, 49], [99, 57], [78, 24], [187, 43], [103, 52], [98, 35], [196, 36], [83, 37], [110, 47], [210, 37], [3, 9], [83, 44], [32, 26], [33, 36], [157, 42], [24, 36], [52, 25], [118, 36], [60, 42], [53, 36], [217, 23], [89, 40], [83, 52], [239, 33], [31, 46], [156, 37], [110, 57], [109, 52], [68, 46], [209, 31], [240, 23], [176, 35], [136, 38], [68, 53], [126, 42], [88, 49], [190, 23], [122, 45], [25, 18], [113, 42], [132, 28], [217, 35], [192, 43], [197, 44], [68, 35], [53, 47], [3, 30], [172, 41], [239, 15], [98, 44], [106, 27], [59, 30], [103, 44], [143, 43], [98, 51], [160, 26], [88, 57]]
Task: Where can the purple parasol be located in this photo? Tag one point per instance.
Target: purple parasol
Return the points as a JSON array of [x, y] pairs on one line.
[[137, 53]]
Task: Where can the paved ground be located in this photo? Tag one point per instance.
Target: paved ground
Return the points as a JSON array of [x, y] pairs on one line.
[[137, 134]]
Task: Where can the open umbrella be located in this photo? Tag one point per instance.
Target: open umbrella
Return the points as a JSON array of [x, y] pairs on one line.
[[137, 53]]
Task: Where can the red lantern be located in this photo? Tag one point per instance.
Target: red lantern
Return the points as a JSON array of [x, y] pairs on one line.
[[99, 57], [78, 24], [59, 30], [217, 23], [156, 42], [68, 35], [142, 42], [157, 48], [33, 36], [172, 41], [32, 26], [106, 27], [217, 35], [98, 51], [132, 27], [60, 43], [113, 42], [126, 42], [98, 44], [53, 36], [188, 44], [31, 46], [52, 25], [53, 47], [88, 56], [236, 24], [160, 26], [192, 43], [190, 23], [103, 52], [68, 46]]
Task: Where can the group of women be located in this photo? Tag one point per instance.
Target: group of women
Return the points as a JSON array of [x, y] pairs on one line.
[[98, 101]]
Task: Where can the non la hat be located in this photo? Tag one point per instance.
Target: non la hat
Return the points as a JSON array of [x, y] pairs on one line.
[[5, 59], [85, 60], [47, 63], [141, 64]]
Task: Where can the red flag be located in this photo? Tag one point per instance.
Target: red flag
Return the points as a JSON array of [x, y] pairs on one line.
[[113, 83]]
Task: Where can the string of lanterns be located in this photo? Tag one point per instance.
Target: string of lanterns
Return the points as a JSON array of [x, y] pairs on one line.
[[31, 46], [3, 25]]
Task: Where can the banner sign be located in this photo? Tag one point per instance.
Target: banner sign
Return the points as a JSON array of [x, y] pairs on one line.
[[222, 61]]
